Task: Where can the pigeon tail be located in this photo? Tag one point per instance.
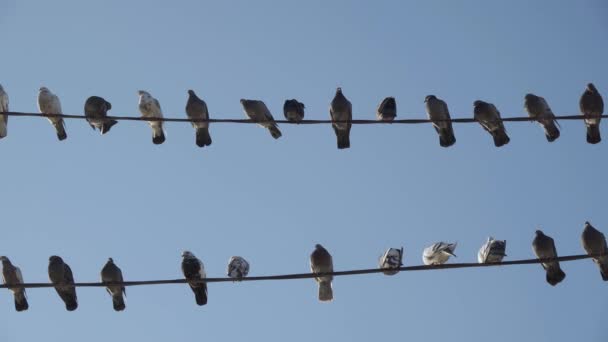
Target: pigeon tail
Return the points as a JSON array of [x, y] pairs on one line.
[[274, 131], [105, 128], [200, 294], [500, 138], [3, 131], [21, 302], [343, 139], [326, 294], [202, 137], [555, 276], [593, 134], [118, 302], [60, 128], [604, 271], [551, 132], [158, 136], [446, 137], [71, 304]]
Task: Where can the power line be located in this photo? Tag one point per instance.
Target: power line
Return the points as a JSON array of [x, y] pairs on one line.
[[313, 275]]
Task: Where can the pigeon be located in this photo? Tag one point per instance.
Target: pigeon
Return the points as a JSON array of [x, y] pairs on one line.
[[61, 276], [594, 243], [544, 248], [538, 109], [492, 251], [387, 110], [391, 260], [197, 109], [110, 273], [437, 110], [96, 110], [489, 118], [592, 107], [12, 275], [48, 103], [3, 108], [321, 262], [238, 267], [341, 110], [293, 110], [438, 253], [194, 270], [257, 111], [150, 108]]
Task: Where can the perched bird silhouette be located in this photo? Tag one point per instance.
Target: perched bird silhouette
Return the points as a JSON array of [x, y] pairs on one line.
[[149, 107], [61, 276], [194, 270], [492, 251], [293, 110], [96, 110], [438, 253], [321, 262], [341, 110], [538, 109], [387, 109], [437, 111], [110, 273], [257, 111], [391, 260], [48, 103], [238, 267], [592, 107], [544, 248], [3, 108], [197, 109], [12, 276], [594, 243], [489, 118]]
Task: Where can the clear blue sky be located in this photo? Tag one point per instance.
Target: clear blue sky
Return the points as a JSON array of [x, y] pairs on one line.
[[92, 197]]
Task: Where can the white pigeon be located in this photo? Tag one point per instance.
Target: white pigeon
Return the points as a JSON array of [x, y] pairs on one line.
[[238, 267], [149, 107], [48, 103], [492, 251], [391, 260], [3, 108], [438, 253]]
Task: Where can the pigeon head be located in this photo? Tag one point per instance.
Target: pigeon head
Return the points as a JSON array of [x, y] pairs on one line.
[[539, 233], [318, 246], [44, 90], [110, 260], [187, 254], [530, 97], [1, 88], [108, 105], [54, 258], [478, 103], [4, 259], [243, 101], [430, 97], [338, 90], [191, 92], [591, 88], [143, 93]]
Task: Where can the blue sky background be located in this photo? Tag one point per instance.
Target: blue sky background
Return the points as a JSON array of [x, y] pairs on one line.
[[92, 197]]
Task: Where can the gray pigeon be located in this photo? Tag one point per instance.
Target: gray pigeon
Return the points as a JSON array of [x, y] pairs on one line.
[[489, 118], [592, 107], [437, 110], [321, 262], [197, 109], [96, 110], [3, 108], [238, 267], [438, 253], [391, 260], [149, 107], [293, 110], [193, 270], [387, 110], [61, 276], [12, 275], [544, 248], [48, 103], [594, 243], [492, 251], [341, 110], [110, 273], [539, 110], [257, 111]]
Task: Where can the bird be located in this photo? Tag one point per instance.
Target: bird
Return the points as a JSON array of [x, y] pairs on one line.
[[48, 103], [341, 110], [194, 270], [438, 253], [61, 276], [437, 111], [96, 110], [391, 260], [149, 107], [238, 267], [257, 111], [321, 262], [387, 109], [492, 251], [197, 109], [544, 248], [3, 108], [12, 275], [538, 109], [110, 273], [489, 118], [594, 243], [592, 107], [293, 110]]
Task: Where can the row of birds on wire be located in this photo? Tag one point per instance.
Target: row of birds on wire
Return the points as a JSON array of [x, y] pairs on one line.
[[321, 264], [96, 112]]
